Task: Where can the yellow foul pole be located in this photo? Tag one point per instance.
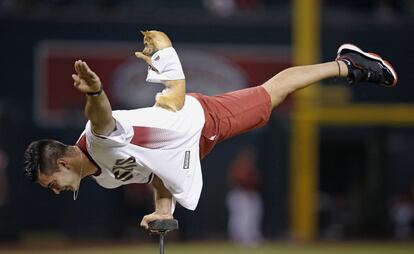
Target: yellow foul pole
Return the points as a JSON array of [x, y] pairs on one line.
[[304, 139]]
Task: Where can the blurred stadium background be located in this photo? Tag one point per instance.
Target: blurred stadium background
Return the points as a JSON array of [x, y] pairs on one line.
[[334, 164]]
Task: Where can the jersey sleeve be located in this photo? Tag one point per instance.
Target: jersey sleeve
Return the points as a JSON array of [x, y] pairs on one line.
[[159, 62], [167, 64], [120, 136]]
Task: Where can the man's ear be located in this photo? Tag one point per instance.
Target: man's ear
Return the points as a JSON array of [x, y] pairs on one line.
[[62, 162]]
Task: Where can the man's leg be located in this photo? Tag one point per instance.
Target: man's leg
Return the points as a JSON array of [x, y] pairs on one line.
[[351, 62], [295, 78], [233, 113]]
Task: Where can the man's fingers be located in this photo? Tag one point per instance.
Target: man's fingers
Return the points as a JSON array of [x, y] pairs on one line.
[[153, 216], [147, 219], [85, 65], [77, 83], [144, 222], [83, 68], [76, 79], [85, 80], [144, 225], [87, 69], [77, 66], [91, 74]]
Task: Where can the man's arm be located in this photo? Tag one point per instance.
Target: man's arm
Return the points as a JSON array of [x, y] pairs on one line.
[[163, 203], [97, 108]]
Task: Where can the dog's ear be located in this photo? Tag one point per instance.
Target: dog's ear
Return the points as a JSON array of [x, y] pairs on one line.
[[146, 34]]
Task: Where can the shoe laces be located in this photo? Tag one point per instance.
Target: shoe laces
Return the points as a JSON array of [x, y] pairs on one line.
[[373, 74], [366, 73]]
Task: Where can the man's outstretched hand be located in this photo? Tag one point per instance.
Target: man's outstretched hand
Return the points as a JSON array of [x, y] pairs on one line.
[[85, 80], [154, 216]]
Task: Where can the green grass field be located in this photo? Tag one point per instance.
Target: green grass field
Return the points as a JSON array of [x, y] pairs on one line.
[[223, 248]]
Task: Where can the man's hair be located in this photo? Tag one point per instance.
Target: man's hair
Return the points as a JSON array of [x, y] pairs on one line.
[[41, 156]]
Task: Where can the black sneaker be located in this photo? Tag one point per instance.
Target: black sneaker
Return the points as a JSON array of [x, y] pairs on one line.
[[366, 67]]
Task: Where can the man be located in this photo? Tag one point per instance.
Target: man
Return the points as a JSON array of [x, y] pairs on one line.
[[162, 145]]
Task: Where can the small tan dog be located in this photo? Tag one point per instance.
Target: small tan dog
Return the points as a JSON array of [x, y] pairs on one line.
[[173, 97]]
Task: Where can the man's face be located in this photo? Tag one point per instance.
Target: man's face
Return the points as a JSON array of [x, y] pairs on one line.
[[64, 179]]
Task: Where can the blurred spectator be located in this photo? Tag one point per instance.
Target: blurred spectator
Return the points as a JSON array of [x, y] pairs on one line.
[[244, 201], [224, 8], [402, 216], [3, 178], [335, 216], [5, 233], [384, 9]]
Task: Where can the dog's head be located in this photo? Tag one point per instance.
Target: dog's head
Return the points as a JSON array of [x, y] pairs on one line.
[[154, 41]]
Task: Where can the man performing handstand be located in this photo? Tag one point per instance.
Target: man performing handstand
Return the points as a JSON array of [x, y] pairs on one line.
[[162, 145]]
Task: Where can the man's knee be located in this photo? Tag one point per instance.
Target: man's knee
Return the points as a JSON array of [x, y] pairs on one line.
[[277, 93]]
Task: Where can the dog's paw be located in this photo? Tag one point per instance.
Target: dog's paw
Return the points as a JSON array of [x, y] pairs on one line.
[[146, 58]]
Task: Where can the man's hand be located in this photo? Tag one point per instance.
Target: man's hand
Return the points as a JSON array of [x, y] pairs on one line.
[[154, 216], [97, 108], [86, 81], [163, 203]]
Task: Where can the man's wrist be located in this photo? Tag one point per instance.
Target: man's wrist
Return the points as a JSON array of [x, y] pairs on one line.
[[99, 92]]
